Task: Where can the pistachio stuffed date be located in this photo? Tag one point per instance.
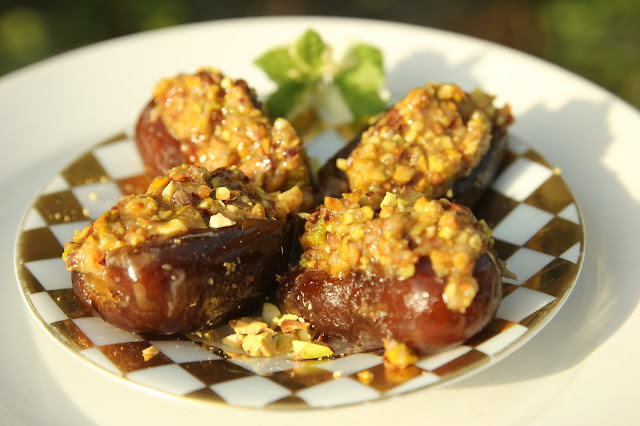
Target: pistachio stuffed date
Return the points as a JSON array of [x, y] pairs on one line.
[[421, 272], [412, 311], [438, 140], [196, 249], [211, 121]]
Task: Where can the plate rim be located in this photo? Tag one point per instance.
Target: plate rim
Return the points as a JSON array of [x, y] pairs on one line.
[[448, 380]]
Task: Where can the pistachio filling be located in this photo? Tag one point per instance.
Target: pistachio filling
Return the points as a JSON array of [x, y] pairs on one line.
[[219, 123], [426, 141], [186, 198], [346, 235]]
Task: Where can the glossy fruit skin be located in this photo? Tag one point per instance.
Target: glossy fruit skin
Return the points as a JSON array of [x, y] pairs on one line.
[[194, 281], [159, 150], [366, 310], [466, 191]]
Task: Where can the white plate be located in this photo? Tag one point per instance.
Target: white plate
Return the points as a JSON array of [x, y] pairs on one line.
[[579, 363], [537, 230]]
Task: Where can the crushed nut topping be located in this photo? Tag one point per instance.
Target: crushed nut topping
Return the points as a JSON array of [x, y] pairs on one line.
[[426, 141], [275, 334], [365, 376], [398, 355], [346, 235], [220, 123], [183, 200], [150, 352]]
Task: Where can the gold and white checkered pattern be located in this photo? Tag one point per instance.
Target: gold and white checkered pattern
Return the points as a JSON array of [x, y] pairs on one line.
[[538, 231]]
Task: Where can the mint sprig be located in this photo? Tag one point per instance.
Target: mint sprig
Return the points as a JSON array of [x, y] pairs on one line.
[[361, 81], [308, 76]]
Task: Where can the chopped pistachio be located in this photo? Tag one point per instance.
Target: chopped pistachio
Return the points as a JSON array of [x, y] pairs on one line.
[[345, 235], [365, 376], [168, 191], [271, 314], [399, 355], [271, 335], [293, 325], [292, 198], [220, 221], [261, 344], [310, 350], [341, 164], [305, 334], [150, 352], [174, 226], [246, 325], [442, 133], [233, 340], [223, 193], [284, 342]]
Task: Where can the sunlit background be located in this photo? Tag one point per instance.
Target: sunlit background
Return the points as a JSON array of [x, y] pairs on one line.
[[598, 39]]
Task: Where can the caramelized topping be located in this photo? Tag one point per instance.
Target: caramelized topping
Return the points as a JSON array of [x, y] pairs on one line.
[[433, 136], [186, 198], [220, 124], [345, 235]]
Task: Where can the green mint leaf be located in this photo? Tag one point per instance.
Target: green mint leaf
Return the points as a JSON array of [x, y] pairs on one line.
[[360, 88], [289, 95], [296, 69], [277, 63], [304, 69], [310, 49], [364, 53]]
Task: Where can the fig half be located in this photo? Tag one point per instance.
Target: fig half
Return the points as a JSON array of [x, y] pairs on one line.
[[196, 249], [438, 140], [419, 272], [196, 280], [209, 120], [366, 310]]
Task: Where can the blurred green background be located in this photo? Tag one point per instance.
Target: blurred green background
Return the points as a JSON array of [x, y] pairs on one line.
[[598, 39]]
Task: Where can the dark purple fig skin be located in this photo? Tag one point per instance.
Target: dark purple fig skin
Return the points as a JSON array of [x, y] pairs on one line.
[[365, 311], [190, 282], [159, 150], [467, 191]]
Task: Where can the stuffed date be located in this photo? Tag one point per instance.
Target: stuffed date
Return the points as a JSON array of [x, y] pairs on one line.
[[211, 121], [420, 273], [438, 140], [197, 248]]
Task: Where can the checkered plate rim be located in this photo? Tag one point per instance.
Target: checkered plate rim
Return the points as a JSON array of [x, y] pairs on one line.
[[527, 306]]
